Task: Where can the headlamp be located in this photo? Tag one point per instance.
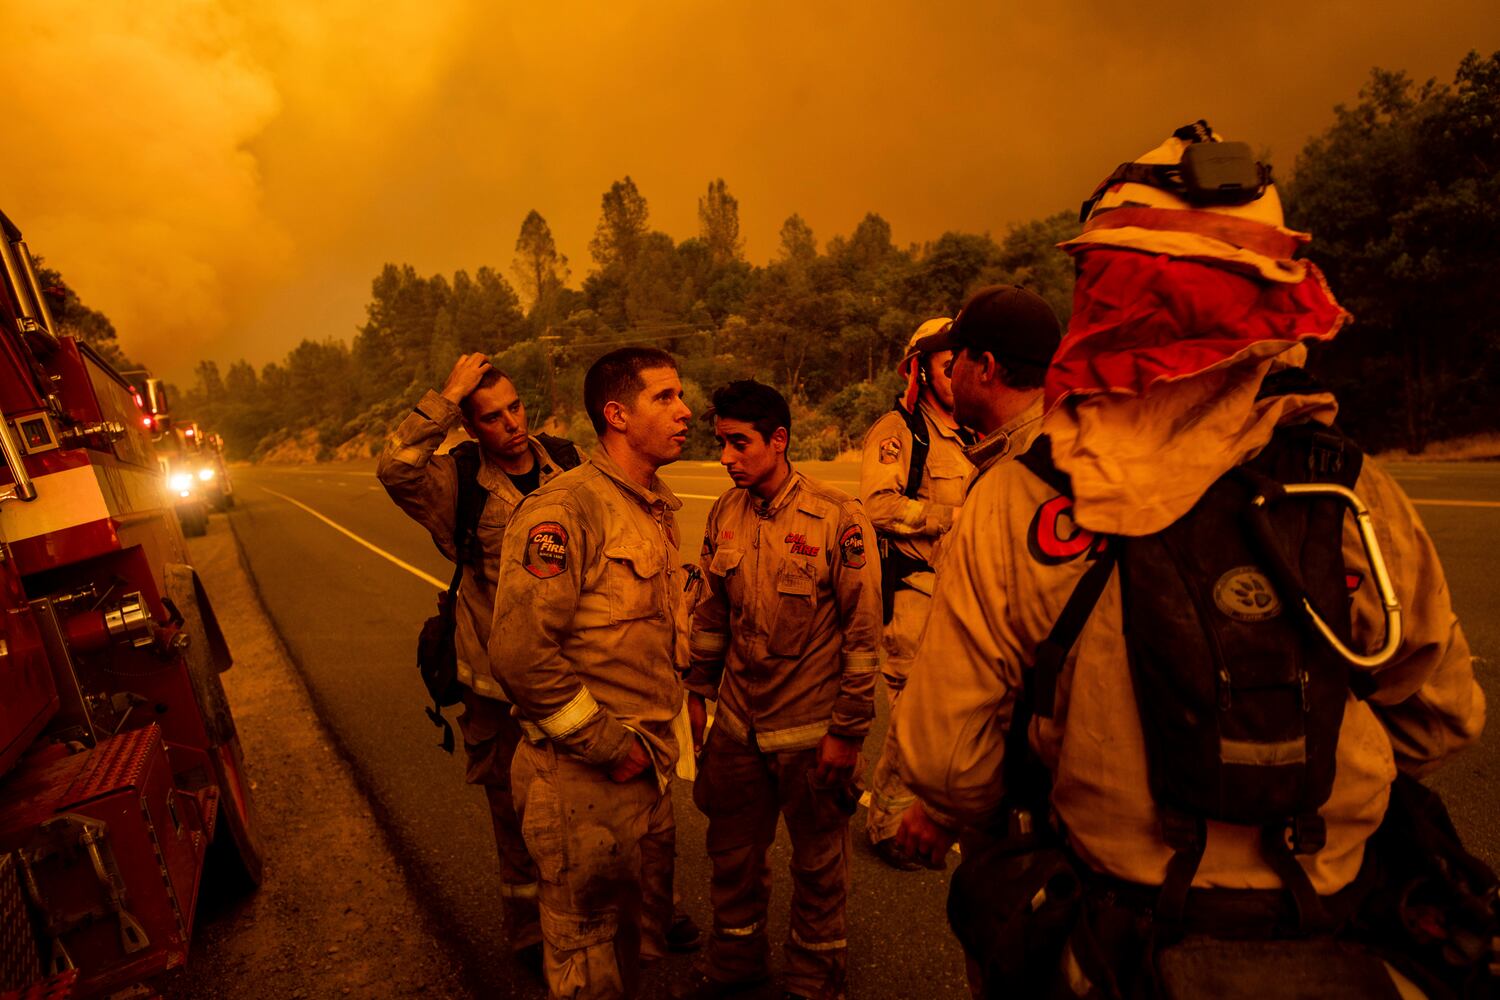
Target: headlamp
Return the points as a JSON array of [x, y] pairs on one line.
[[205, 473], [1210, 173], [181, 482]]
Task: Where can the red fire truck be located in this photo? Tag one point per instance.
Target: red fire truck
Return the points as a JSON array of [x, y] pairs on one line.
[[121, 779]]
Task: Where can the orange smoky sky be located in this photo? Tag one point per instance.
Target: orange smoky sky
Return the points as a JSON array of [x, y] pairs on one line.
[[223, 178]]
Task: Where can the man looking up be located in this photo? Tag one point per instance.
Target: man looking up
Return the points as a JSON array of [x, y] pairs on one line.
[[510, 464], [786, 638], [583, 639], [912, 483]]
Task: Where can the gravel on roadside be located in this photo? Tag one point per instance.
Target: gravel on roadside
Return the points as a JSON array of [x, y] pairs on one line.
[[334, 916]]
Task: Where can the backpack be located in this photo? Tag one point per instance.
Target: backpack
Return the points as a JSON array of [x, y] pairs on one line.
[[437, 652], [1241, 697]]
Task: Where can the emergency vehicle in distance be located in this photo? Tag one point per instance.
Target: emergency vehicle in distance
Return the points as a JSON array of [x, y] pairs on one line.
[[122, 787], [192, 461]]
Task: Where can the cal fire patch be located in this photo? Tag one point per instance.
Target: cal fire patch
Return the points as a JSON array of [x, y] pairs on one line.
[[852, 547], [1055, 538], [798, 542], [546, 550], [890, 450]]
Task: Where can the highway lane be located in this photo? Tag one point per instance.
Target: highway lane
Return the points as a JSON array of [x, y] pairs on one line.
[[350, 617]]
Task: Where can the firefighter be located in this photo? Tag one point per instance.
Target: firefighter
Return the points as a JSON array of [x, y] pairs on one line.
[[786, 638], [1181, 361], [911, 482], [426, 486], [583, 640]]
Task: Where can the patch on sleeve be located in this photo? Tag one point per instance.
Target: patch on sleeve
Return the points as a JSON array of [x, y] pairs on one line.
[[1352, 581], [852, 547], [1055, 538], [546, 550], [890, 451]]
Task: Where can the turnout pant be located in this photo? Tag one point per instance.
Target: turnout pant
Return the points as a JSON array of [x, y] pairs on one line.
[[889, 796], [490, 738], [604, 853], [742, 791]]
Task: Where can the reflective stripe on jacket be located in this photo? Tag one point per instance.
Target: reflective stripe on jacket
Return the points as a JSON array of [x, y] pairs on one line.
[[787, 633]]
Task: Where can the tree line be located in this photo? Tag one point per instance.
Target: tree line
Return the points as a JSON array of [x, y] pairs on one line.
[[827, 324], [1401, 193]]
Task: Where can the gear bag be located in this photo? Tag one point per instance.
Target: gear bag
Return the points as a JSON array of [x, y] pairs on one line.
[[1241, 695], [437, 652]]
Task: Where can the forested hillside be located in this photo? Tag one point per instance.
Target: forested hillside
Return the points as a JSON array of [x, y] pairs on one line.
[[1402, 194]]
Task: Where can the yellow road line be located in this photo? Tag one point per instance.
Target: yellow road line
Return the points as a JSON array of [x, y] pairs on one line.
[[440, 584], [1457, 503]]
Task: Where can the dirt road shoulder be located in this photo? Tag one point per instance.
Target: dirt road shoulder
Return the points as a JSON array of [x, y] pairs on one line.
[[334, 916]]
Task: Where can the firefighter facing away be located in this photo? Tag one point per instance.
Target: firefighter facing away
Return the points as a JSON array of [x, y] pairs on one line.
[[1135, 605], [786, 639], [502, 467], [583, 639]]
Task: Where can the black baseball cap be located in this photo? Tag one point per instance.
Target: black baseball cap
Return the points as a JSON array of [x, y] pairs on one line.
[[1014, 324]]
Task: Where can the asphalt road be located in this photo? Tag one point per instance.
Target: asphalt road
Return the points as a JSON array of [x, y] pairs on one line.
[[350, 617]]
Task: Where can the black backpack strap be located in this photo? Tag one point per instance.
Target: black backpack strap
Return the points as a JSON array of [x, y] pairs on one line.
[[562, 451], [471, 500], [920, 445], [1053, 650], [470, 506], [1289, 382], [1038, 460]]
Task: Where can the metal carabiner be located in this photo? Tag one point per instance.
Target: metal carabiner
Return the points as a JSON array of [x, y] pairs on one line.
[[1383, 587]]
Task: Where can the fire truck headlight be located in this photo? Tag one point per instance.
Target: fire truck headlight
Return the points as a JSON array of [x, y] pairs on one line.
[[205, 474], [181, 482]]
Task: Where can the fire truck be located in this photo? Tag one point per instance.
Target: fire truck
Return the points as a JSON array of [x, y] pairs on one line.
[[192, 461], [122, 786]]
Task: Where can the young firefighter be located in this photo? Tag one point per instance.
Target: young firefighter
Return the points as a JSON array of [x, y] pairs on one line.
[[583, 639], [786, 637], [911, 481], [426, 486]]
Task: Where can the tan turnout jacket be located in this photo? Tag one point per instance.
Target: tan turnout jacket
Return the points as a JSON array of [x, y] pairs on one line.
[[584, 627], [787, 633], [425, 485], [1009, 566], [914, 524]]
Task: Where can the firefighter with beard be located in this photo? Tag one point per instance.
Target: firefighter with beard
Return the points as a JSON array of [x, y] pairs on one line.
[[1181, 364], [583, 639], [911, 481], [786, 639]]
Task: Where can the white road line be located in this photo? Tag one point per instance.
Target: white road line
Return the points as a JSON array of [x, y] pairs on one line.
[[439, 584], [1457, 503]]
